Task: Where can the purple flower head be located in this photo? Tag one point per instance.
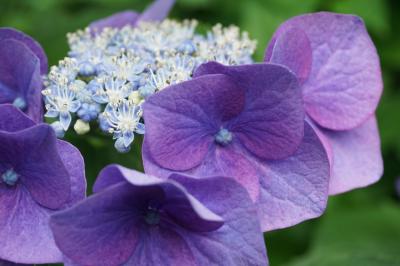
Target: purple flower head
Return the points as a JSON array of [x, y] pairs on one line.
[[136, 219], [157, 11], [22, 62], [338, 67], [38, 176], [247, 122]]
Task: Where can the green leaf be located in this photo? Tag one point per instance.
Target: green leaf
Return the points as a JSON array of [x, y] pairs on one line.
[[346, 259], [367, 236]]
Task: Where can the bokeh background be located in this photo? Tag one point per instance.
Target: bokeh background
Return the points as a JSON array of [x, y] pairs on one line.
[[361, 227]]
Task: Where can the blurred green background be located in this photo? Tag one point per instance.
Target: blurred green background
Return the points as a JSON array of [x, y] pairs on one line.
[[361, 227]]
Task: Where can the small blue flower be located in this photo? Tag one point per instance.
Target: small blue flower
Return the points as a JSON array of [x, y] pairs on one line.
[[61, 102], [124, 121], [113, 91]]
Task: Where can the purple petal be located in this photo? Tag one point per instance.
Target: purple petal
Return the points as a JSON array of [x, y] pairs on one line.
[[345, 84], [13, 119], [117, 20], [20, 73], [162, 247], [271, 126], [109, 176], [231, 162], [104, 229], [98, 230], [295, 189], [181, 120], [184, 209], [293, 50], [75, 165], [286, 191], [7, 95], [227, 161], [24, 231], [34, 46], [239, 240], [157, 11], [356, 156], [32, 153]]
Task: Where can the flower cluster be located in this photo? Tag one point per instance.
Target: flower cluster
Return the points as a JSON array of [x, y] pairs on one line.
[[232, 148], [108, 75]]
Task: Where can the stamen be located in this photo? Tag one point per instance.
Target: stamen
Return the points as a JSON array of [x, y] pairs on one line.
[[152, 216], [10, 177], [20, 103], [223, 137]]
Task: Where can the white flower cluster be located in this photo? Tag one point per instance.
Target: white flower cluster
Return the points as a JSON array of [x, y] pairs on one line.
[[108, 75]]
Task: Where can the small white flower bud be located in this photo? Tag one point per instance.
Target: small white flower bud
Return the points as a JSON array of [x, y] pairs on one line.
[[81, 127]]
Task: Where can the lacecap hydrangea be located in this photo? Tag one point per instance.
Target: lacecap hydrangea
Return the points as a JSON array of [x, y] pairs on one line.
[[110, 73]]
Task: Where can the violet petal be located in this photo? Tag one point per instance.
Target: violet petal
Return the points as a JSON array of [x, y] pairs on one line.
[[20, 77], [184, 209], [13, 119], [33, 155], [286, 191], [117, 20], [345, 83], [157, 11], [271, 125], [240, 238], [99, 229], [183, 119], [293, 50], [34, 46], [295, 189], [356, 156], [24, 231], [74, 163]]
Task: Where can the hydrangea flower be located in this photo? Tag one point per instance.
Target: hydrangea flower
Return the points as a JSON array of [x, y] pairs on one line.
[[22, 62], [136, 219], [123, 120], [38, 176], [246, 123], [128, 57], [338, 67]]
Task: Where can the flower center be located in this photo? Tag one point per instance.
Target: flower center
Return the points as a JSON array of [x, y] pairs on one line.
[[63, 104], [152, 216], [10, 177], [20, 103], [223, 137]]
